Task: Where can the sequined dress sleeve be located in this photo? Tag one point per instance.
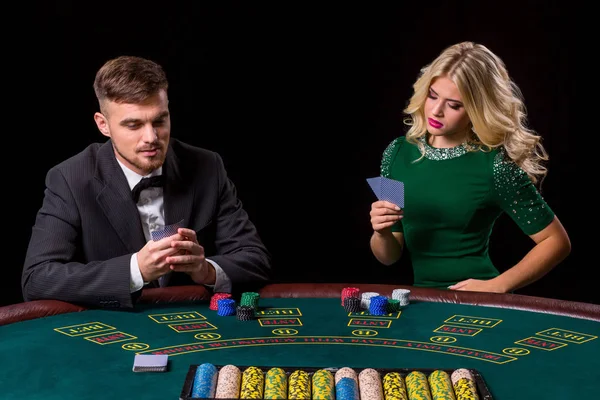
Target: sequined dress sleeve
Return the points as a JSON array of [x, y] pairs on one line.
[[515, 193]]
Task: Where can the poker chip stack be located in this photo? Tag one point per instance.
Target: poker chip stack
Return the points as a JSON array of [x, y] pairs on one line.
[[350, 292], [365, 299], [205, 381], [346, 384], [323, 385], [378, 305], [352, 304], [346, 389], [402, 296], [253, 383], [394, 386], [464, 385], [214, 300], [228, 382], [250, 299], [244, 313], [276, 384], [417, 385], [299, 386], [226, 307], [369, 384], [393, 305], [440, 384]]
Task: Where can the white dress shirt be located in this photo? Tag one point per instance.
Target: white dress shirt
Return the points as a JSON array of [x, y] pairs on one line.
[[152, 214]]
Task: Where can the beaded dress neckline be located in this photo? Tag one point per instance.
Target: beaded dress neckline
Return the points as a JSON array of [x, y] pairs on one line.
[[446, 153]]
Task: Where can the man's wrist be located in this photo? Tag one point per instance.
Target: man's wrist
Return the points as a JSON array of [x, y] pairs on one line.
[[136, 279], [207, 274]]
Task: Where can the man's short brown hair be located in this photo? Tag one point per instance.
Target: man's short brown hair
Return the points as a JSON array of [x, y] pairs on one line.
[[129, 79]]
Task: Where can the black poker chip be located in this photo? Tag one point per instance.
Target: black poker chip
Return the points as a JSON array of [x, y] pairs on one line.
[[352, 304], [245, 313]]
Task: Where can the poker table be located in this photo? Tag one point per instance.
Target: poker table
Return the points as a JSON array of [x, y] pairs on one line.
[[519, 347]]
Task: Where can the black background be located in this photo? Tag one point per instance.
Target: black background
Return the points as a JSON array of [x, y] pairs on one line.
[[300, 101]]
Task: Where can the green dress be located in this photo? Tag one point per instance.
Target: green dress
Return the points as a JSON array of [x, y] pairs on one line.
[[452, 199]]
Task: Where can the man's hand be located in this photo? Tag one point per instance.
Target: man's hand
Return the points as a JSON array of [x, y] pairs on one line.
[[152, 258], [189, 257]]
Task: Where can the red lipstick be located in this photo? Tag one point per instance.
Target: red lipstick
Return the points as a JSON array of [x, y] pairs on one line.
[[434, 123]]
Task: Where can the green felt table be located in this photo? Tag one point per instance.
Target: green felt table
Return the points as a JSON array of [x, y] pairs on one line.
[[89, 354]]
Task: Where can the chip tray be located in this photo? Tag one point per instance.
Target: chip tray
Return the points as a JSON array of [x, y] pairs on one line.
[[482, 388]]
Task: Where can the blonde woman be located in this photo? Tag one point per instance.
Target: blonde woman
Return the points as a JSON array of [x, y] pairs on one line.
[[466, 158]]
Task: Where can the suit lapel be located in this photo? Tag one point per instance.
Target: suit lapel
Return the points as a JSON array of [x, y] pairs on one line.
[[116, 201]]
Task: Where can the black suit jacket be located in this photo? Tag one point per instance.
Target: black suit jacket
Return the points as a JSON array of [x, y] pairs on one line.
[[88, 226]]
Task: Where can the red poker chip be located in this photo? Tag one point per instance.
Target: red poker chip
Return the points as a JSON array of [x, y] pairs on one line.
[[349, 292], [214, 300]]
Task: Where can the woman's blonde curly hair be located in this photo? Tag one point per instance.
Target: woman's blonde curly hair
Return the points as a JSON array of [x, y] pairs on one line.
[[493, 102]]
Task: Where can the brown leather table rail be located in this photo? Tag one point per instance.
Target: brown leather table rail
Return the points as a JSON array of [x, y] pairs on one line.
[[503, 300], [43, 308]]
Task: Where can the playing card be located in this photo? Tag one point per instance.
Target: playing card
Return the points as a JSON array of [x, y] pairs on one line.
[[392, 191], [375, 184], [166, 231], [388, 189], [150, 362]]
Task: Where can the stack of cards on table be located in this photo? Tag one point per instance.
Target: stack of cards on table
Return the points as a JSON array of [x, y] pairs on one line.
[[167, 231], [150, 362], [388, 189]]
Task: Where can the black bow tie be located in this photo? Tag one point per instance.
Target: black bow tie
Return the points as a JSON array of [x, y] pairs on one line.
[[145, 183]]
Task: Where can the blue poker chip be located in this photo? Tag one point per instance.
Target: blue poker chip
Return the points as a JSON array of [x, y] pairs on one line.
[[226, 307], [205, 381], [378, 305], [346, 389]]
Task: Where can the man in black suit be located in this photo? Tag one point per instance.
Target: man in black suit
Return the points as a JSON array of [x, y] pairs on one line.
[[91, 242]]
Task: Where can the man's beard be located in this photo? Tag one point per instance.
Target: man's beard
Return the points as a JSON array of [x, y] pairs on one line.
[[147, 167]]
